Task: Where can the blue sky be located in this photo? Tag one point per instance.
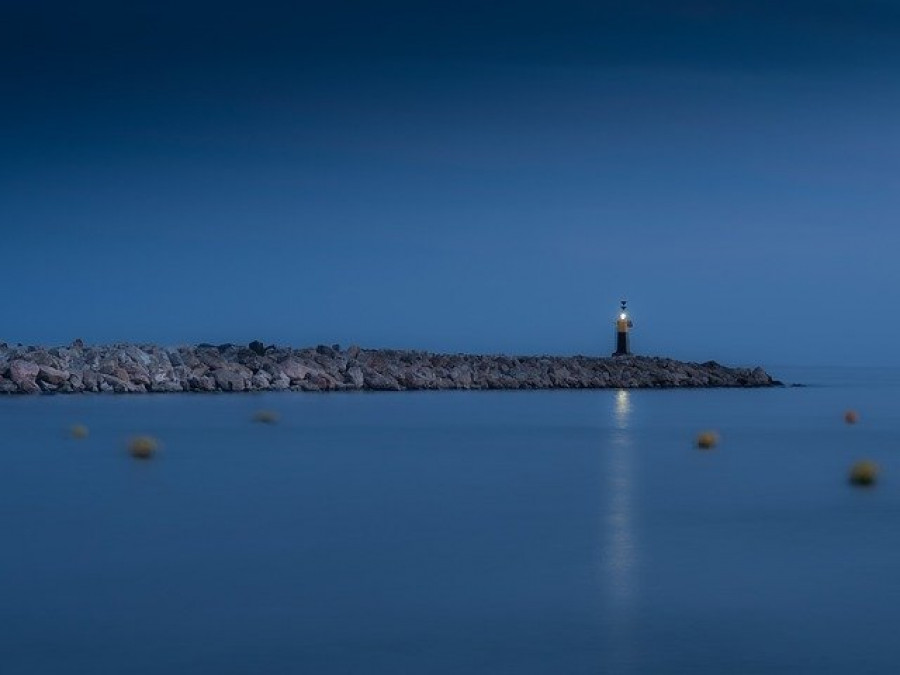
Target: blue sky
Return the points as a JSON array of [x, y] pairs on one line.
[[486, 177]]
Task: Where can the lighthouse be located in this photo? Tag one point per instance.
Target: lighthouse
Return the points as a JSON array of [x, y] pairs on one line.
[[623, 326]]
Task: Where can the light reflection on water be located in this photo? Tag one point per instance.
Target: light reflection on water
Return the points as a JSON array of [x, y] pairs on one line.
[[622, 409], [620, 531], [619, 548]]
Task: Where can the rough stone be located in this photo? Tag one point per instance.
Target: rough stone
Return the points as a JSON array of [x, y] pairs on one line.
[[281, 382], [53, 376], [294, 370], [354, 377], [23, 373], [228, 379], [260, 380], [131, 368]]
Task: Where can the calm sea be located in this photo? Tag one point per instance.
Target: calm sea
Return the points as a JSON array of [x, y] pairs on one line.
[[454, 532]]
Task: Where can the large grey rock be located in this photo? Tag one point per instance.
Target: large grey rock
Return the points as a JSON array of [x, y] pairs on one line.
[[281, 382], [294, 370], [201, 383], [108, 366], [76, 381], [461, 376], [119, 385], [326, 382], [20, 369], [378, 382], [354, 377], [261, 380], [53, 376], [137, 355], [134, 372], [228, 379], [212, 359], [91, 380], [167, 386], [43, 357], [23, 374]]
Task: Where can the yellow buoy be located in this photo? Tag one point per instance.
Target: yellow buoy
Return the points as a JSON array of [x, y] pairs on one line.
[[143, 447], [707, 440], [864, 472], [78, 431], [266, 416], [851, 417]]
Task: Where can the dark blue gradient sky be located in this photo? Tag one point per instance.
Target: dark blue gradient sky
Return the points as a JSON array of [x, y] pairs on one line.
[[462, 176]]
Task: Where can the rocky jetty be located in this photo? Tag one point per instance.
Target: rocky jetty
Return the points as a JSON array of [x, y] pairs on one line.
[[131, 368]]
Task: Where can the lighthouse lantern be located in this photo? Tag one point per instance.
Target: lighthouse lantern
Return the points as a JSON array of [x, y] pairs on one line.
[[623, 326]]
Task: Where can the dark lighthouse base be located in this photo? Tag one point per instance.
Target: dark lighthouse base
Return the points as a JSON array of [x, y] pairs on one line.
[[621, 345]]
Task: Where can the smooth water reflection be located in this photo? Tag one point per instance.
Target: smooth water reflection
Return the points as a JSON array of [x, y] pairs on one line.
[[620, 549], [622, 409], [619, 553], [508, 532]]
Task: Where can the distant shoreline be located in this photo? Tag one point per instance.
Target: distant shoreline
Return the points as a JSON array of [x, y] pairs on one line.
[[132, 368]]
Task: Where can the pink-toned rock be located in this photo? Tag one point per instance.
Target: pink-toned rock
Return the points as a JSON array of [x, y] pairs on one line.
[[52, 375], [23, 370], [91, 380], [23, 373], [294, 369]]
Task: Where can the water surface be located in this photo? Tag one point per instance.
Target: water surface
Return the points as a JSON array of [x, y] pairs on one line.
[[449, 532]]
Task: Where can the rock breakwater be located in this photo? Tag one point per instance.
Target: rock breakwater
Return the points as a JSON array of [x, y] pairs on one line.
[[131, 368]]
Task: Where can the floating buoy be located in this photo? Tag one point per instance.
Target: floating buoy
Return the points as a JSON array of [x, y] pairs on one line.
[[78, 431], [266, 416], [143, 447], [707, 440], [851, 417], [864, 472]]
